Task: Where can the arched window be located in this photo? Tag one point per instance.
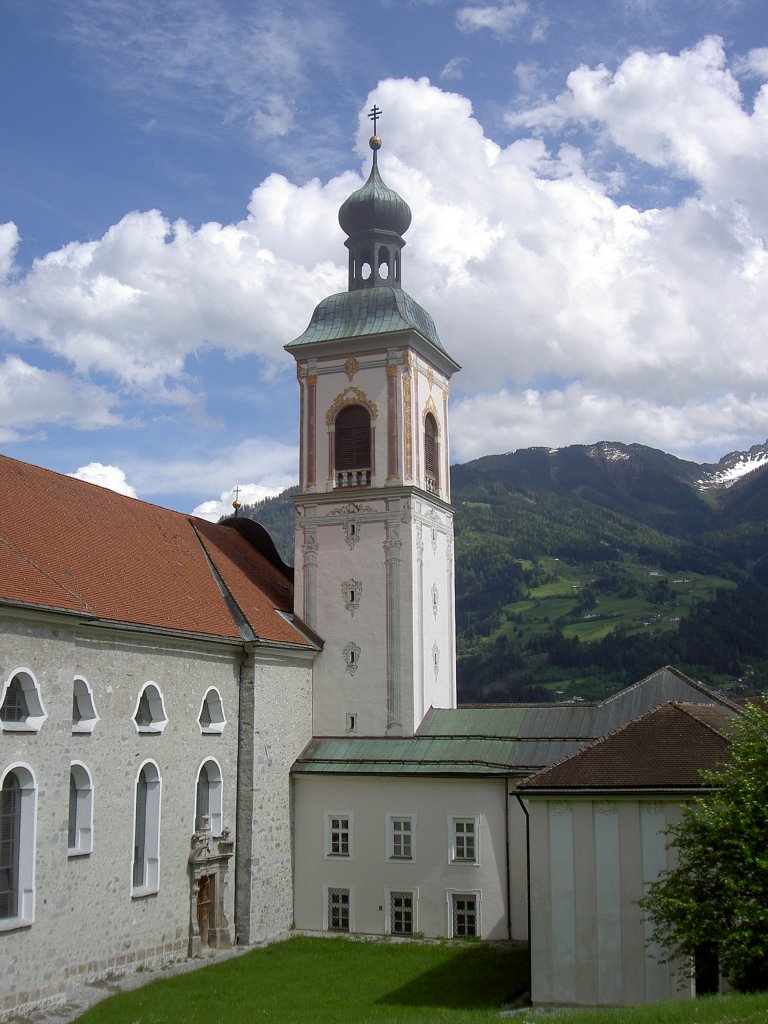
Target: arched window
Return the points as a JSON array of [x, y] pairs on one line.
[[208, 797], [211, 718], [431, 453], [150, 715], [146, 831], [80, 828], [18, 793], [352, 446], [21, 708], [84, 716]]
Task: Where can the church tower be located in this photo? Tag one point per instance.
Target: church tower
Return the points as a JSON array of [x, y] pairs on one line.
[[374, 569]]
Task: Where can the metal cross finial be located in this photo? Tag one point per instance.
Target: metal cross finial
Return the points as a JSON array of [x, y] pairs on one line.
[[374, 115]]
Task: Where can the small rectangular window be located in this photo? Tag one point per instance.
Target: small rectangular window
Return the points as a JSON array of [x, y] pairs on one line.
[[401, 838], [338, 910], [401, 913], [339, 832], [463, 914], [464, 846]]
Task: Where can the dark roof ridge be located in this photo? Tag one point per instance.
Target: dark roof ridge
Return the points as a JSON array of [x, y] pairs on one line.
[[688, 707], [599, 740], [715, 697], [24, 557]]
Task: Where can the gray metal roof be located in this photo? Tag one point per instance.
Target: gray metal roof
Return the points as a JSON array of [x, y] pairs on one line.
[[428, 755], [357, 314], [512, 740]]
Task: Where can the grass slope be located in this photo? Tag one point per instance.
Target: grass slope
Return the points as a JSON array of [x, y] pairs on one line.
[[336, 981], [333, 981]]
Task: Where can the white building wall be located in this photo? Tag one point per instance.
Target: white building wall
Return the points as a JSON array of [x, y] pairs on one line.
[[369, 873], [591, 862]]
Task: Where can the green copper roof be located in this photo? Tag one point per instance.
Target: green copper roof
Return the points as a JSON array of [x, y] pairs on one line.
[[367, 312], [375, 206], [417, 755]]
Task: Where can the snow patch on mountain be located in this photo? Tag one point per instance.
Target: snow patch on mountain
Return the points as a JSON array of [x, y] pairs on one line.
[[608, 452], [734, 467]]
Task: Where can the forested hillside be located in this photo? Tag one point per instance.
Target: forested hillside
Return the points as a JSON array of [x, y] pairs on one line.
[[579, 570]]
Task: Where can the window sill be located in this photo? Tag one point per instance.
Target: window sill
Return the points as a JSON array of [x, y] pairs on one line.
[[12, 923], [29, 726], [73, 852], [394, 856], [140, 894]]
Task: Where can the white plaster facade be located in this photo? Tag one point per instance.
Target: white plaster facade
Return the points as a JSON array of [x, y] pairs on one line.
[[386, 539], [589, 938], [370, 871]]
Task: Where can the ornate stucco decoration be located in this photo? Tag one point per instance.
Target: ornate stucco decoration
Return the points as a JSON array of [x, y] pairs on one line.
[[351, 591], [407, 423], [309, 549], [350, 396], [435, 600], [435, 658], [430, 407], [430, 377], [351, 657], [351, 366], [351, 509]]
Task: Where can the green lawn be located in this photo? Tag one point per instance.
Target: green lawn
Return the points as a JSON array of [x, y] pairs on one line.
[[333, 981], [336, 981]]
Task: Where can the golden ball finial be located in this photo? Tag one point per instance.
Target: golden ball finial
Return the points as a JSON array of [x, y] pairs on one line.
[[236, 505], [374, 142]]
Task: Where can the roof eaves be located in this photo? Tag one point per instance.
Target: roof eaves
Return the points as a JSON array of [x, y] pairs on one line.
[[563, 792], [54, 609]]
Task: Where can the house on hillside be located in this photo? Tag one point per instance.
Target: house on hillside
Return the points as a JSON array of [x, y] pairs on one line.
[[197, 750]]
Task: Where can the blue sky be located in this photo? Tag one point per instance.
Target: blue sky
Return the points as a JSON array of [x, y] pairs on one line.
[[590, 222]]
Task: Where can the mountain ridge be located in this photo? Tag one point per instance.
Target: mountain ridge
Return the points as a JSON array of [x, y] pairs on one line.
[[582, 567]]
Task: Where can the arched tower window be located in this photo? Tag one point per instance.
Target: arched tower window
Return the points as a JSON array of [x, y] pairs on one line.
[[17, 846], [211, 718], [21, 709], [431, 454], [80, 827], [208, 797], [146, 831], [150, 715], [84, 716], [352, 447]]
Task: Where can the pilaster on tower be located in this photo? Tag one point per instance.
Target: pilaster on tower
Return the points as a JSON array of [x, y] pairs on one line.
[[374, 525]]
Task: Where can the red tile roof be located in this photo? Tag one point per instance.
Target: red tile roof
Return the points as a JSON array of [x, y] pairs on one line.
[[76, 547], [662, 750]]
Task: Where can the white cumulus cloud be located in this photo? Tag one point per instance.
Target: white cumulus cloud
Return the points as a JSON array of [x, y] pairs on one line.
[[500, 19], [111, 477], [572, 311]]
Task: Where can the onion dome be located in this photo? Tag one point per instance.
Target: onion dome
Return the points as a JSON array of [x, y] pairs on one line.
[[375, 206]]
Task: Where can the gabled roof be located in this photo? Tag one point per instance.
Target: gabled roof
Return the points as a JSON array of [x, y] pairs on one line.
[[71, 546], [664, 750]]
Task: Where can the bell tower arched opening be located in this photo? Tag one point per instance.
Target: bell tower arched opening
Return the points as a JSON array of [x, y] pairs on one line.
[[352, 447]]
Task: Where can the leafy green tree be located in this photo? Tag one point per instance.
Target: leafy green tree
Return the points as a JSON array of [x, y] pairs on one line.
[[717, 895]]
